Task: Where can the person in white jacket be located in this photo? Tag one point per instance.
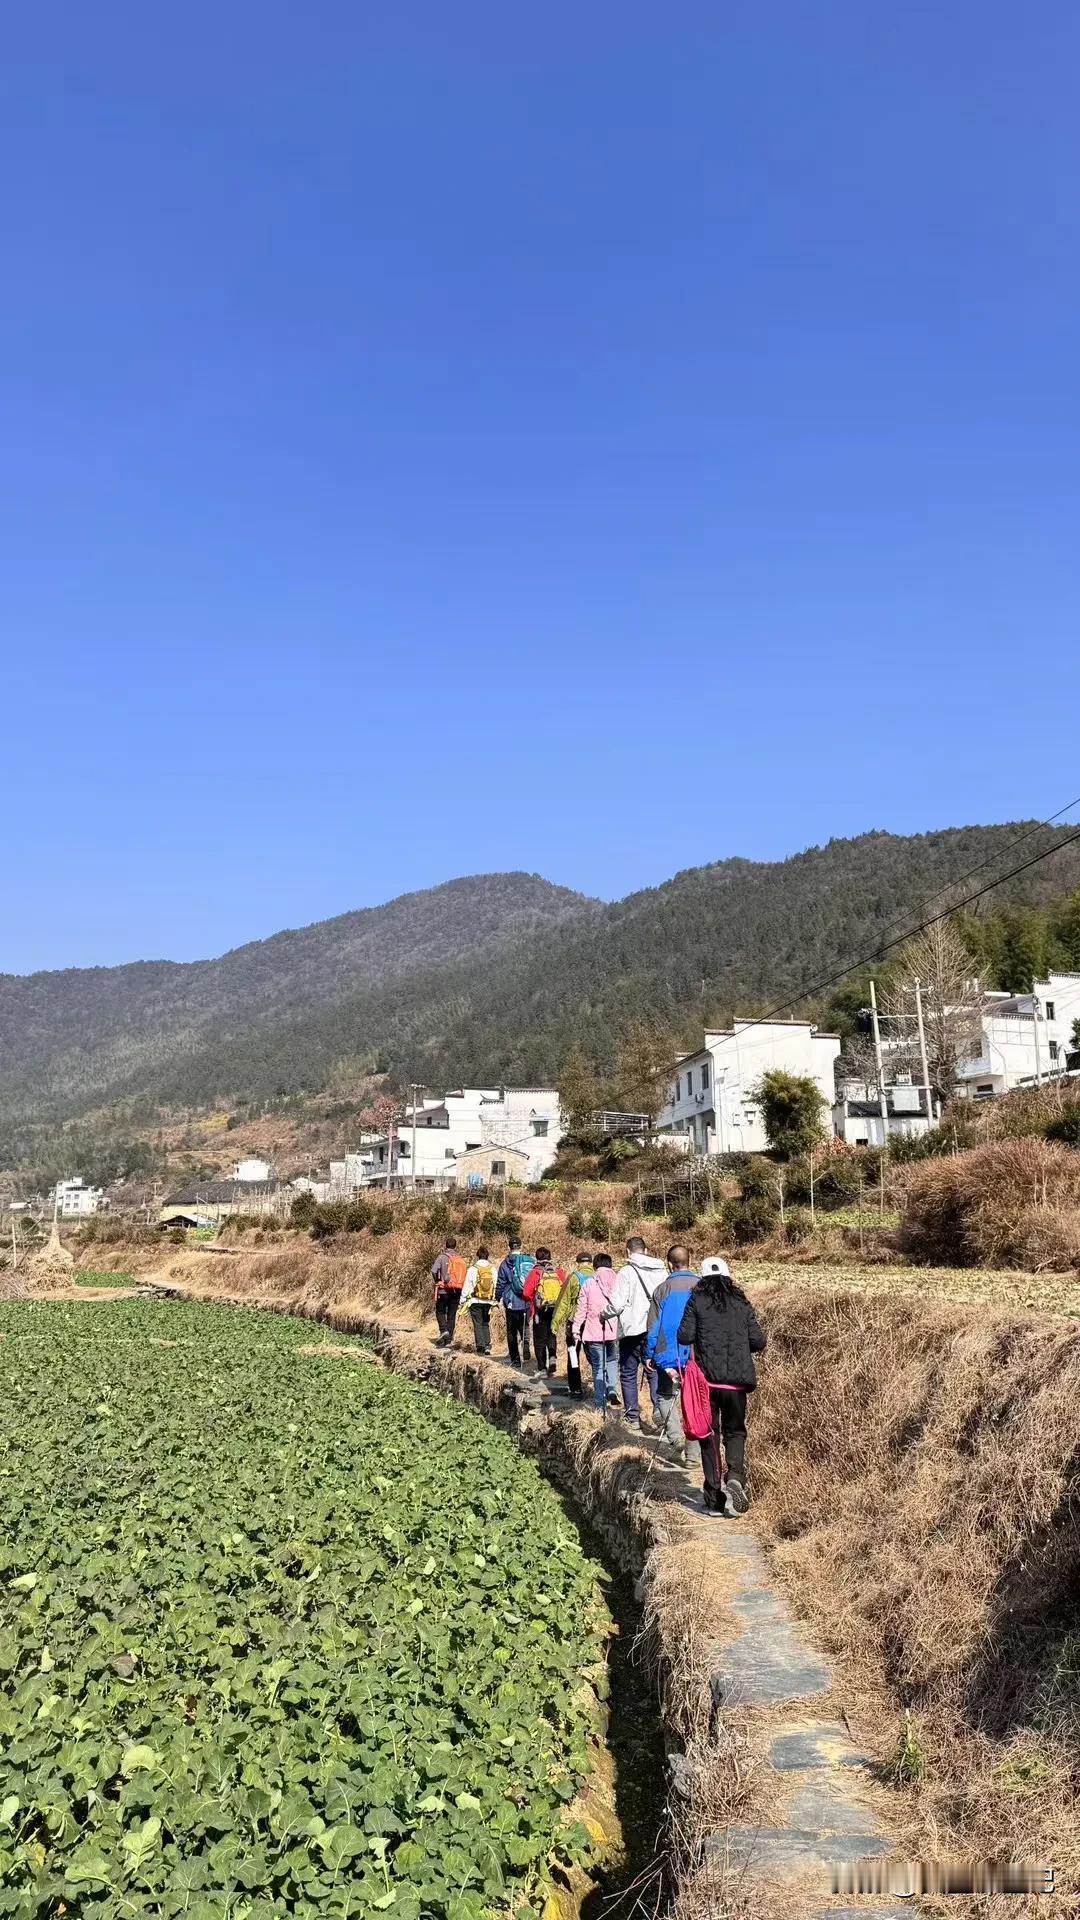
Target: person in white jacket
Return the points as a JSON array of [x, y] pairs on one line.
[[634, 1289]]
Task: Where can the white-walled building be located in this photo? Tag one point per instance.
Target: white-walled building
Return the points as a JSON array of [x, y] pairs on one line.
[[1026, 1037], [425, 1145], [74, 1200], [252, 1169], [857, 1119], [712, 1095]]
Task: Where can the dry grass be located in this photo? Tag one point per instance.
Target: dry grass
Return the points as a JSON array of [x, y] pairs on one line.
[[1014, 1203], [918, 1469]]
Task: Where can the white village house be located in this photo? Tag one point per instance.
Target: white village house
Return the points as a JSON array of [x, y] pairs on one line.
[[74, 1199], [712, 1096], [426, 1144], [1026, 1038]]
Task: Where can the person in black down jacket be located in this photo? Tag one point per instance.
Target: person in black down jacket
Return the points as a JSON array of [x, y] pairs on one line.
[[722, 1327]]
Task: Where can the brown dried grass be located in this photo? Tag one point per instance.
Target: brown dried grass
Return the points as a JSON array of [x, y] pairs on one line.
[[918, 1470], [1014, 1203]]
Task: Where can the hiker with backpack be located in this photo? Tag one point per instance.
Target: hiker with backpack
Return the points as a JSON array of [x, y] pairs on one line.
[[510, 1295], [448, 1274], [638, 1281], [563, 1316], [663, 1354], [478, 1294], [721, 1330], [596, 1324], [544, 1290]]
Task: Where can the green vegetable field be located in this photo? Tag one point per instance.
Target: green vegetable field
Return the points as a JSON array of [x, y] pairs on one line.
[[280, 1633]]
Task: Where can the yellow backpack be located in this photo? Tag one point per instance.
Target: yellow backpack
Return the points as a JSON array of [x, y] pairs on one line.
[[485, 1281], [551, 1287]]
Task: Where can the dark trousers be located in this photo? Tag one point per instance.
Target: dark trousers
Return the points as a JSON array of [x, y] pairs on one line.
[[573, 1364], [631, 1361], [517, 1330], [729, 1428], [545, 1341], [480, 1315], [446, 1306]]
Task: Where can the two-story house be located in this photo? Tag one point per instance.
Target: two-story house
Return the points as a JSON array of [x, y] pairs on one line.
[[712, 1096]]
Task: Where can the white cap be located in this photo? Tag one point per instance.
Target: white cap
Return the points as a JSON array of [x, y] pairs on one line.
[[714, 1265]]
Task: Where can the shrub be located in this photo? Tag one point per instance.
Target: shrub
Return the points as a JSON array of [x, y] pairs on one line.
[[758, 1177], [382, 1219], [303, 1210], [753, 1216], [597, 1224], [1014, 1203], [495, 1223], [1066, 1128], [798, 1227], [340, 1216], [682, 1214], [576, 1224], [791, 1108]]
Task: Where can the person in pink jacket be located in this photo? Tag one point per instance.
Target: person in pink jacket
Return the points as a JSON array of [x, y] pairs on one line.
[[596, 1325]]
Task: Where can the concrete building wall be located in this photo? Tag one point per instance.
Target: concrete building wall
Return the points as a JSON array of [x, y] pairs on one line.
[[712, 1093]]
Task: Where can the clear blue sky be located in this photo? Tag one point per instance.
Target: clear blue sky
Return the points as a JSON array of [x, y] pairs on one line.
[[593, 439]]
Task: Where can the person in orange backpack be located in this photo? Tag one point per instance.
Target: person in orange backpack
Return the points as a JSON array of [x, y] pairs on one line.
[[448, 1275], [544, 1289]]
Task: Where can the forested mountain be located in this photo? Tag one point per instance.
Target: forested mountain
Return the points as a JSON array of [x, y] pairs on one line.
[[490, 978], [71, 1038]]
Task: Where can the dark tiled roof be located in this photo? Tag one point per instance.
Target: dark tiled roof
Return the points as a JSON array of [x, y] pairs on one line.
[[220, 1192]]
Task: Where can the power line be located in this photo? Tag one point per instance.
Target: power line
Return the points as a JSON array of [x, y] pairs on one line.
[[1000, 852], [818, 986]]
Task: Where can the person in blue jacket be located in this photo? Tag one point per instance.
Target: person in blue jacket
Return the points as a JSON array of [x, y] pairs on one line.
[[510, 1294], [663, 1352]]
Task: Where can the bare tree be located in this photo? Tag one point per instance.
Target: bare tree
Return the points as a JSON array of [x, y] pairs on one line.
[[644, 1066], [857, 1068], [953, 1003]]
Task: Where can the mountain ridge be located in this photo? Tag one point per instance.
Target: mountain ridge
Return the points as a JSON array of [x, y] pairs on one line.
[[488, 977]]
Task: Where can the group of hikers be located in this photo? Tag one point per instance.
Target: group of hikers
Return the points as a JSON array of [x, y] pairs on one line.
[[690, 1336]]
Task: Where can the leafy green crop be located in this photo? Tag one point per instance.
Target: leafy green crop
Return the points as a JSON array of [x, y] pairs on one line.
[[280, 1633]]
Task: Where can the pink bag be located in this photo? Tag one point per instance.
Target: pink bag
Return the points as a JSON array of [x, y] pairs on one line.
[[696, 1403]]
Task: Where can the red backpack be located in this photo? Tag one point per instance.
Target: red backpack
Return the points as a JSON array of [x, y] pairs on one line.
[[696, 1402]]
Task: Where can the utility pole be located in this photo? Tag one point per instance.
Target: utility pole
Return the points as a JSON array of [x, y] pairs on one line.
[[1038, 1049], [880, 1068], [930, 1115], [414, 1089], [14, 1244]]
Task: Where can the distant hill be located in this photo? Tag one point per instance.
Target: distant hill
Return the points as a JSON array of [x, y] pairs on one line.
[[73, 1039], [487, 978]]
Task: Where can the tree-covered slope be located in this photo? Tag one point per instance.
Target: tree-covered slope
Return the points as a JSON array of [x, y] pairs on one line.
[[69, 1039]]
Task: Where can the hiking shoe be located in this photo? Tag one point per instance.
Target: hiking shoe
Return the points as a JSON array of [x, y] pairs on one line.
[[736, 1496]]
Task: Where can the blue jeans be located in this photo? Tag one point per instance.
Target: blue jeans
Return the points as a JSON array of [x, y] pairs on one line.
[[603, 1358], [631, 1361]]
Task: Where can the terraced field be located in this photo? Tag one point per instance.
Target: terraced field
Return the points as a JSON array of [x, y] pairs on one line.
[[280, 1633]]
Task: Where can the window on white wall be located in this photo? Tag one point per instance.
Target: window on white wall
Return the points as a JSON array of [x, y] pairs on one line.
[[1049, 1007], [705, 1077]]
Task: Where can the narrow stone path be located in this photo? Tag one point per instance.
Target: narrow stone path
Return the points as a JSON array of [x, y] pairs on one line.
[[825, 1824]]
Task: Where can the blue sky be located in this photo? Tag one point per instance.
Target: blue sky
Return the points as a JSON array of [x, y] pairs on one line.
[[593, 440]]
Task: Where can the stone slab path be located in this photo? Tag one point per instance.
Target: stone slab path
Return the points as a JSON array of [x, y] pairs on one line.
[[826, 1823]]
